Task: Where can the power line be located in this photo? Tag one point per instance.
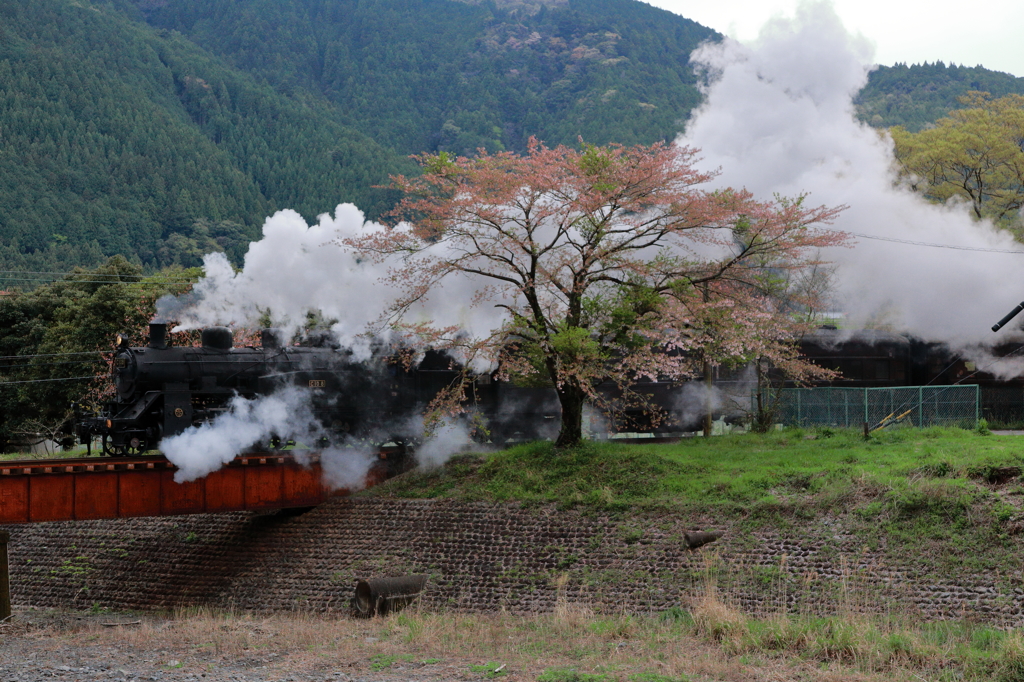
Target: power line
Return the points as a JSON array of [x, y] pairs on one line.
[[53, 355], [70, 280], [12, 368], [937, 246], [62, 273], [43, 381]]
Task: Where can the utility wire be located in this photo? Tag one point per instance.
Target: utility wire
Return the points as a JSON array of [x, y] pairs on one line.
[[53, 355], [937, 246], [7, 367], [72, 274], [44, 381]]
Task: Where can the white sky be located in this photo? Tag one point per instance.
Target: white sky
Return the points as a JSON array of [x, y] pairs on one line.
[[985, 32]]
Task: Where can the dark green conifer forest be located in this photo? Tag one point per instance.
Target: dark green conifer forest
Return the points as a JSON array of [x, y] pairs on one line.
[[121, 139], [918, 95]]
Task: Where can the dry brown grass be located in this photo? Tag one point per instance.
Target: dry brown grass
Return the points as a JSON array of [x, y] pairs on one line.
[[708, 638], [716, 645]]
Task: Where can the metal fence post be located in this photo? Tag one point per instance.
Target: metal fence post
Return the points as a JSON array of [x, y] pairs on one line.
[[5, 578], [977, 404]]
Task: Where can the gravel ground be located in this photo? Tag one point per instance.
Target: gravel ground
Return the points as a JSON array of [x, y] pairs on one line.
[[54, 645]]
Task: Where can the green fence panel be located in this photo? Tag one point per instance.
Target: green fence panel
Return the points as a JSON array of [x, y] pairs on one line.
[[907, 405]]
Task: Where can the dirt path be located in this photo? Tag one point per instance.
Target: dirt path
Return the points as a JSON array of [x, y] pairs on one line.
[[43, 646]]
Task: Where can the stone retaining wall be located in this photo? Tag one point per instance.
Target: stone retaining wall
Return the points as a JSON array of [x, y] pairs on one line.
[[479, 557]]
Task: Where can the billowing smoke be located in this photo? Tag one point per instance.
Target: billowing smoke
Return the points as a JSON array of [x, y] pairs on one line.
[[779, 118], [447, 440], [346, 466], [201, 450], [727, 400], [297, 269]]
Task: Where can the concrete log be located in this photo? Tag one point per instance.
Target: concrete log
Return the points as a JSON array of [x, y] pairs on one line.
[[698, 538]]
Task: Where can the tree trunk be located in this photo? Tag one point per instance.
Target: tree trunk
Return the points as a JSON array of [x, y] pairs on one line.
[[572, 399]]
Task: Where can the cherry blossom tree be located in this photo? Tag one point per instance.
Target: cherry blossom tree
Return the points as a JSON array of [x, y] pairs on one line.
[[610, 263]]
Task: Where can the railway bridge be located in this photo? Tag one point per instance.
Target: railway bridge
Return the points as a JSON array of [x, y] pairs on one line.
[[35, 490]]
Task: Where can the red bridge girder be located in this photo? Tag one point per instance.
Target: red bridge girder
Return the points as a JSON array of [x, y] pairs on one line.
[[107, 488]]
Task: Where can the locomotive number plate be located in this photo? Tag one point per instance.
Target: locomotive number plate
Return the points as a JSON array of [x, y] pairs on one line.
[[318, 383]]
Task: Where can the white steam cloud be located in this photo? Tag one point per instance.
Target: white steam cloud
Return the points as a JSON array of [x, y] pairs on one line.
[[296, 269], [779, 118], [448, 439], [201, 450], [288, 414]]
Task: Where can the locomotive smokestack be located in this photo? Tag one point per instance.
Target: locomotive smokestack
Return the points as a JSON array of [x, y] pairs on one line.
[[157, 335], [218, 338], [1009, 316], [270, 338]]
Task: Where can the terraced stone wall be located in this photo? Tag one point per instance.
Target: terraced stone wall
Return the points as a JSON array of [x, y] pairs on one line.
[[479, 557]]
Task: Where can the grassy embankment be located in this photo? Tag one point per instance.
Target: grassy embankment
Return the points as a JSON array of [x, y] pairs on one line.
[[79, 451], [945, 501], [946, 496]]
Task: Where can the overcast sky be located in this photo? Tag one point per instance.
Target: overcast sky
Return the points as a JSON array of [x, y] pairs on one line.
[[985, 32]]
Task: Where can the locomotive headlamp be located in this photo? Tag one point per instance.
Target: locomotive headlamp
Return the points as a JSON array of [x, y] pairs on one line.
[[122, 341]]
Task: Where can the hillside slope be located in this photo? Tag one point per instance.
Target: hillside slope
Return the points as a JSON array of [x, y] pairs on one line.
[[916, 96], [437, 74], [120, 140], [165, 129]]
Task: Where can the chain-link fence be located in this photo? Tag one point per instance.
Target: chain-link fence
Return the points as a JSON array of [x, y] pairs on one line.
[[1003, 406], [852, 407]]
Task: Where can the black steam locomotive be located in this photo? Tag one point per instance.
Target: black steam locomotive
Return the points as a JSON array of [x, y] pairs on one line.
[[163, 390]]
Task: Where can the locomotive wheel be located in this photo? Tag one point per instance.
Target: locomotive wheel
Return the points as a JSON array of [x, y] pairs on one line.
[[128, 450], [108, 449]]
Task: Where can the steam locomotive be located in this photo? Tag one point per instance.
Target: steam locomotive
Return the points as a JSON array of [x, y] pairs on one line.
[[162, 390]]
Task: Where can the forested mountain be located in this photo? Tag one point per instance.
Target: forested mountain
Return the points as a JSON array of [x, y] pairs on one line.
[[117, 139], [162, 129], [441, 75], [918, 95]]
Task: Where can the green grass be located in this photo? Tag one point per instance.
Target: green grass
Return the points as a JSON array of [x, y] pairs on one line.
[[78, 451], [579, 646], [903, 469]]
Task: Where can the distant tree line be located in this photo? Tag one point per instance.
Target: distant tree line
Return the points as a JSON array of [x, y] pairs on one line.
[[918, 95]]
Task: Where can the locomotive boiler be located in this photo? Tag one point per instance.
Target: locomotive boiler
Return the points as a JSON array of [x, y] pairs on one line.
[[162, 390]]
